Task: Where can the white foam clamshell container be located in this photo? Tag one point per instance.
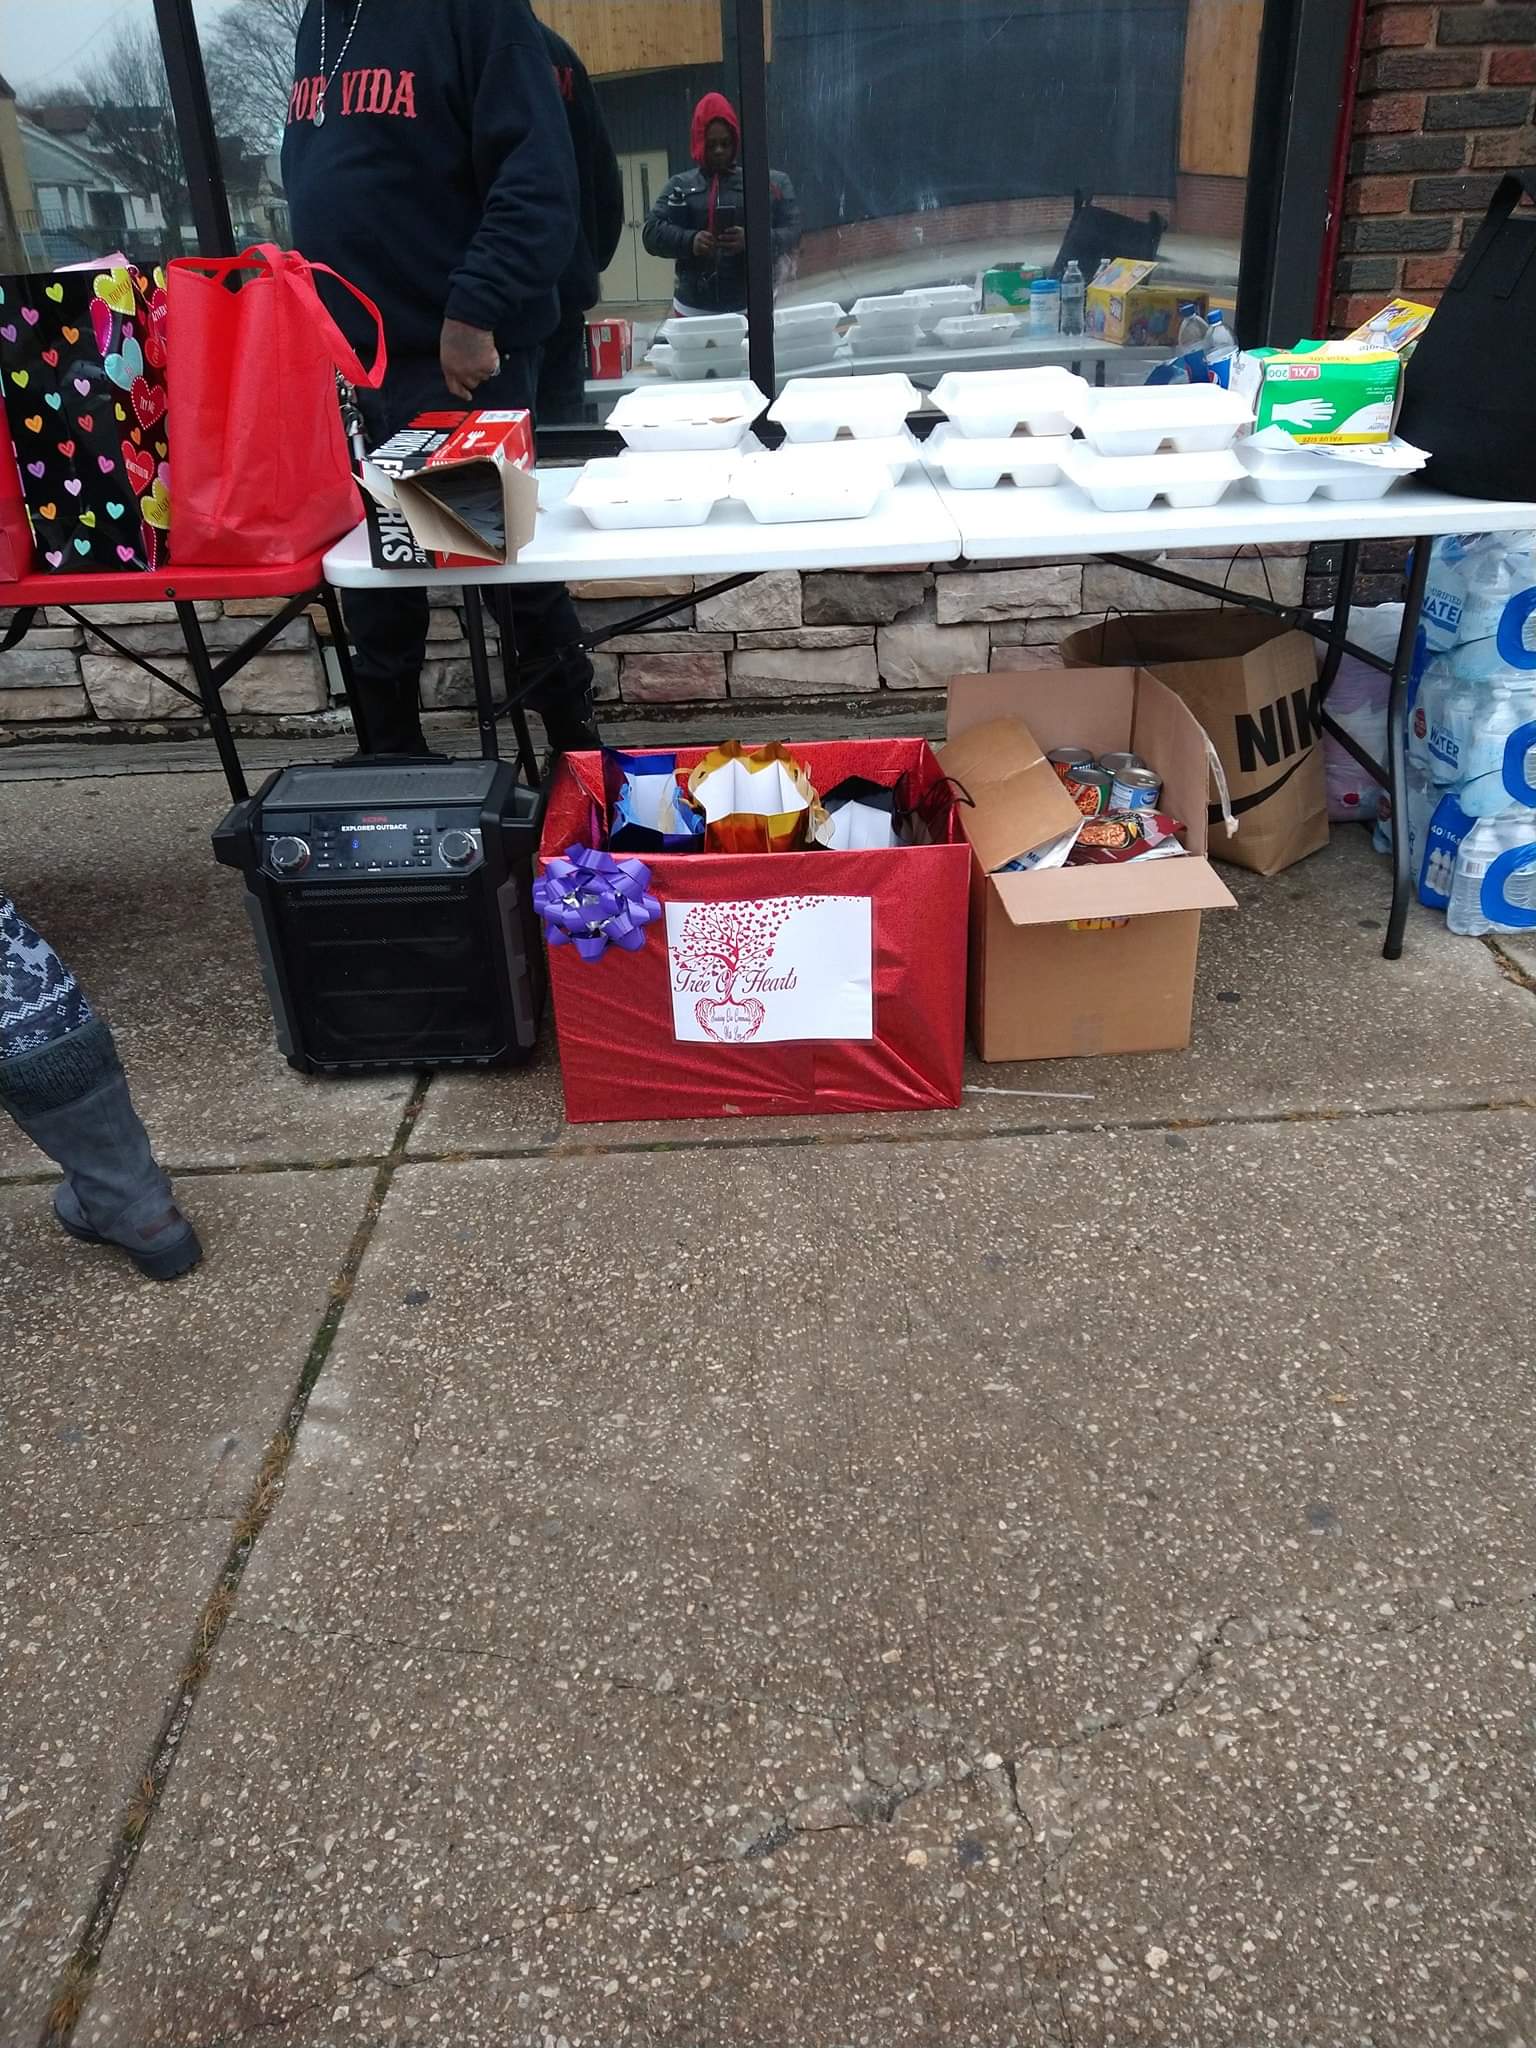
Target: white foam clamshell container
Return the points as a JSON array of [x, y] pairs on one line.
[[822, 313], [894, 312], [1030, 461], [1138, 419], [653, 490], [886, 341], [942, 302], [665, 359], [897, 452], [810, 483], [703, 415], [988, 405], [813, 409], [976, 330], [1283, 478], [709, 330], [1129, 483]]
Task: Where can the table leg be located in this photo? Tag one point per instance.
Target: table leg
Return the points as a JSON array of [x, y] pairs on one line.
[[511, 677], [480, 669], [1397, 749], [1338, 632], [343, 647], [213, 703]]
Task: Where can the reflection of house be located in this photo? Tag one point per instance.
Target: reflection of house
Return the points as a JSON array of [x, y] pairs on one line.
[[20, 244], [257, 208], [84, 208]]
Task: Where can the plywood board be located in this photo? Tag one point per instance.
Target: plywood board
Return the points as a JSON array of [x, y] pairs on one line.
[[614, 37], [1221, 54]]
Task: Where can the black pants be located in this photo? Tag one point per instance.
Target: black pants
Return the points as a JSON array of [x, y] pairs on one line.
[[389, 627], [563, 372]]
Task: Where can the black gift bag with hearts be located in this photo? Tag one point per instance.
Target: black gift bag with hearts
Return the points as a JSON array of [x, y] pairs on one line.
[[82, 368]]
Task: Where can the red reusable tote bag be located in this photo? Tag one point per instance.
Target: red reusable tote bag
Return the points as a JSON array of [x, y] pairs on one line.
[[260, 472]]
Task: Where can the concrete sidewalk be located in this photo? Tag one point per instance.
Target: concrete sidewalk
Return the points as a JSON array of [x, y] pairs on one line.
[[1054, 1573]]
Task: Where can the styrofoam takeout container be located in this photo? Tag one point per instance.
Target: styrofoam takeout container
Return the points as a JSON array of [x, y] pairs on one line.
[[817, 409], [891, 311], [987, 405], [1129, 483], [897, 452], [1138, 419], [820, 314], [703, 415], [810, 483], [654, 490], [939, 302], [886, 341], [976, 330], [705, 331], [1031, 461], [707, 363], [1292, 476]]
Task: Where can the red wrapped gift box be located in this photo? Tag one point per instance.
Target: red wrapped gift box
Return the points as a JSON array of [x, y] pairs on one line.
[[722, 1010]]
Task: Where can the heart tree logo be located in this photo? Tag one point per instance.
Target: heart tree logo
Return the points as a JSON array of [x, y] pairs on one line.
[[723, 957]]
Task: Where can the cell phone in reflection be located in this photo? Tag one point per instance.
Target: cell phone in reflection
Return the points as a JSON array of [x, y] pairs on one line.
[[725, 220]]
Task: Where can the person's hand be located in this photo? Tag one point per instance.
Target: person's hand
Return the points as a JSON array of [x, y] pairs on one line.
[[733, 241], [469, 357], [704, 243]]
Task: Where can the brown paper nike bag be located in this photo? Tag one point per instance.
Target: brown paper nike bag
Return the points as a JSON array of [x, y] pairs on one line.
[[1252, 683]]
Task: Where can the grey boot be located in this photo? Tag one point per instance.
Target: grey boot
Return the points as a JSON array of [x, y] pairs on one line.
[[71, 1098]]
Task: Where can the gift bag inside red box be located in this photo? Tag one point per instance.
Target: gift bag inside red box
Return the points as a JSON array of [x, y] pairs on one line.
[[772, 984]]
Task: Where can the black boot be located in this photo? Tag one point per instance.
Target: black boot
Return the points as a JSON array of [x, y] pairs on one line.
[[570, 722], [71, 1098]]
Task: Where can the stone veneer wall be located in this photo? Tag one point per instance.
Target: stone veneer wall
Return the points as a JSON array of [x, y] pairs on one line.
[[785, 638]]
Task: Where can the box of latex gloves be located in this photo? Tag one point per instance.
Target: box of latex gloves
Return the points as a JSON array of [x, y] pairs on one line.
[[450, 490]]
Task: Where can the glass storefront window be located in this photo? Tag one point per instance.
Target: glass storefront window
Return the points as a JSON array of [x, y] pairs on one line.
[[89, 159], [965, 149]]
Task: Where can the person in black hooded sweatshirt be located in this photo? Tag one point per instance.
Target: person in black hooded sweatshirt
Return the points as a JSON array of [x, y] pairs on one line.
[[427, 158], [563, 363]]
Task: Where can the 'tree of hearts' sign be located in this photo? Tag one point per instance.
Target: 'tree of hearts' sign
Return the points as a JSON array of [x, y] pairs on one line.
[[82, 372], [778, 969]]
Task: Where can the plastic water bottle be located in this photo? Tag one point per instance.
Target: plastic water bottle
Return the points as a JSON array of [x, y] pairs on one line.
[[1496, 574], [1447, 704], [1074, 292], [1470, 914], [1508, 707], [1220, 349]]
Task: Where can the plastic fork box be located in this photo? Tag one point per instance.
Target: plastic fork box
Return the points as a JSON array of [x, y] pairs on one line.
[[772, 984]]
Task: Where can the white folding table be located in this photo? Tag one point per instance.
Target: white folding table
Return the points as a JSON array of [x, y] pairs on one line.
[[923, 524]]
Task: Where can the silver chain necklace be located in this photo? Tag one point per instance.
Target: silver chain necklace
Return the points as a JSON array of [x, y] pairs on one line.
[[328, 79]]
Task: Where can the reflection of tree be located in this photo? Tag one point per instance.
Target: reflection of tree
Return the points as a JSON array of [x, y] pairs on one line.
[[723, 941], [132, 131], [248, 55]]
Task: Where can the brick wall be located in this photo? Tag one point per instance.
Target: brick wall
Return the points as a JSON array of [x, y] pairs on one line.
[[1445, 106]]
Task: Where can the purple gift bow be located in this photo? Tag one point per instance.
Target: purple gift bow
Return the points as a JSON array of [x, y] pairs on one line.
[[589, 900]]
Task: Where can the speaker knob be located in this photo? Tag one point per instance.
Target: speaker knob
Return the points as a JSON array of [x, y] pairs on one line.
[[458, 848], [288, 856]]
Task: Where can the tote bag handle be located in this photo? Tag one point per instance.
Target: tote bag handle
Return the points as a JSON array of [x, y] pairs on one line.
[[287, 268], [1513, 187]]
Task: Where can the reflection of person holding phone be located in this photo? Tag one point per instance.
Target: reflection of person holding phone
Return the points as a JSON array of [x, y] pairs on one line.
[[697, 219]]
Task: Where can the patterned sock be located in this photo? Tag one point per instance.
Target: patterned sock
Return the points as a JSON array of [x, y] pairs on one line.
[[40, 1000]]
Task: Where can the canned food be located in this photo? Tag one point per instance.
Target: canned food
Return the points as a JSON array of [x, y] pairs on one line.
[[1114, 763], [1136, 789], [1089, 789], [1064, 759]]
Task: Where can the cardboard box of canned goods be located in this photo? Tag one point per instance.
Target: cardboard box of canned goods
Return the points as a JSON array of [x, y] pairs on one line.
[[1069, 961]]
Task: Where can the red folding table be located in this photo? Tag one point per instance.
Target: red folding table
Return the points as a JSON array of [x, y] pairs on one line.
[[300, 584]]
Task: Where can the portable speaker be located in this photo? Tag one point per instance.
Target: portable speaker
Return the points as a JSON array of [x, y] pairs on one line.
[[392, 904]]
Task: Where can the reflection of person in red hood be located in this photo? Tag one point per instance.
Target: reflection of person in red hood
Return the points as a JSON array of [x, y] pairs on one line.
[[698, 218]]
